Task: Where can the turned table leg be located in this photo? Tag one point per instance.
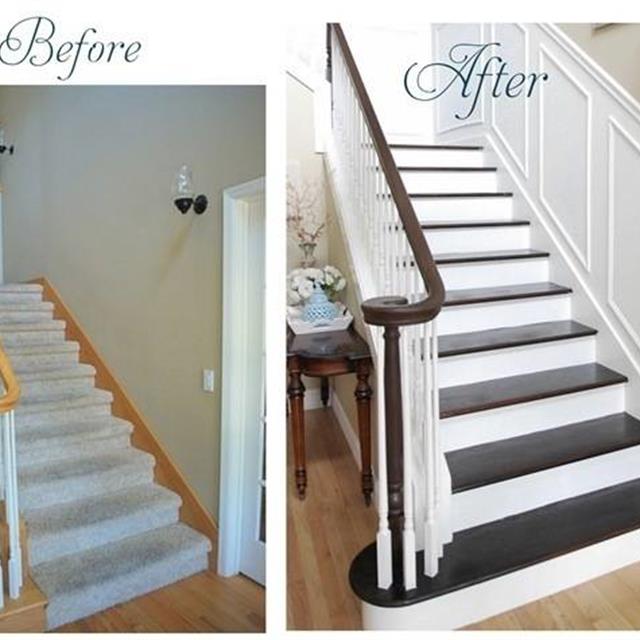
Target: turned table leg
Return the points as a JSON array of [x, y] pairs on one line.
[[296, 400], [363, 395]]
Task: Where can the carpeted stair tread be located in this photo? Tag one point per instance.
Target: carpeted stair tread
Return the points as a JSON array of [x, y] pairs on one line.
[[62, 529], [21, 327], [74, 371], [38, 349], [20, 288], [90, 475], [94, 396], [26, 306], [60, 441], [82, 466], [41, 435], [83, 583]]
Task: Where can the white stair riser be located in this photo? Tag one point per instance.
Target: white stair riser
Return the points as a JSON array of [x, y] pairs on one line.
[[529, 417], [62, 387], [32, 338], [509, 313], [463, 209], [485, 504], [450, 181], [489, 598], [495, 273], [438, 158], [500, 363], [44, 361], [478, 239]]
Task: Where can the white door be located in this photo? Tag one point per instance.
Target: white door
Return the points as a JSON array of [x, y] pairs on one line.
[[252, 553]]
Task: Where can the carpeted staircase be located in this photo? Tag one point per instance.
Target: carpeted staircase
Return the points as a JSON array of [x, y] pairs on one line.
[[100, 531]]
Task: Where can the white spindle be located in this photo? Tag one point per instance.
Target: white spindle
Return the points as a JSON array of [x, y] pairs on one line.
[[11, 505]]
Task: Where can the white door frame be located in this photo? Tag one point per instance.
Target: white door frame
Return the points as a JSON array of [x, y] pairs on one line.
[[237, 267]]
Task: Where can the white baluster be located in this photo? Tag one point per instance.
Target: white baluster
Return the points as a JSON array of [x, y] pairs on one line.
[[11, 506]]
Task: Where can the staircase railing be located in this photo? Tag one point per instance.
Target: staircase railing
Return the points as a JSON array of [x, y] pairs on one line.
[[8, 402], [403, 316]]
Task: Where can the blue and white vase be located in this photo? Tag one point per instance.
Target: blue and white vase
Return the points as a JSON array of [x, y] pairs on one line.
[[319, 309]]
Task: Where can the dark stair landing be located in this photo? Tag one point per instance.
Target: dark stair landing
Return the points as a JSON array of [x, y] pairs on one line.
[[502, 460], [504, 546]]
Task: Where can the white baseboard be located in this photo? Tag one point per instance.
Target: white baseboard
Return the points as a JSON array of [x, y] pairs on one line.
[[313, 399], [347, 429]]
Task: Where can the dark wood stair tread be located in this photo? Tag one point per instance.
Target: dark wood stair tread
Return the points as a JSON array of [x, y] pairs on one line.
[[469, 224], [478, 194], [456, 297], [456, 344], [504, 546], [502, 460], [449, 169], [502, 392], [489, 256], [435, 147]]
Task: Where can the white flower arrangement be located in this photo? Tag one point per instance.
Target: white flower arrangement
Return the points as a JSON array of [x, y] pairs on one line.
[[300, 283]]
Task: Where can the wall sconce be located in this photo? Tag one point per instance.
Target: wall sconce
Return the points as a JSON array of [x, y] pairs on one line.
[[183, 193], [5, 148]]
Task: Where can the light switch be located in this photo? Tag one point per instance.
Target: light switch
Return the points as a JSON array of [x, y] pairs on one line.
[[208, 380]]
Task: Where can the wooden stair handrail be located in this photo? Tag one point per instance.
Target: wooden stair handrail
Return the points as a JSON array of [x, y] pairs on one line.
[[394, 310], [11, 396]]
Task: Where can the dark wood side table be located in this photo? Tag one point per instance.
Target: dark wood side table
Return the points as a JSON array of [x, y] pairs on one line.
[[322, 355]]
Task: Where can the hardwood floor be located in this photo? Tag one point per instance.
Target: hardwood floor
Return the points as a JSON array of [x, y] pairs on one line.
[[327, 529], [204, 602]]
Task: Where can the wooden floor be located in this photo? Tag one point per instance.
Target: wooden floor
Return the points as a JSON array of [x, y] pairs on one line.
[[204, 602], [327, 529]]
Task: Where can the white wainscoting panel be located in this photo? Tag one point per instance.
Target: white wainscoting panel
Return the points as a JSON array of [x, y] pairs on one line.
[[624, 227], [510, 116], [565, 154]]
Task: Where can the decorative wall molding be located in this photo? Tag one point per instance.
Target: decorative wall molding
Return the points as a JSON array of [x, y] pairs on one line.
[[615, 128], [583, 256], [613, 88], [521, 163]]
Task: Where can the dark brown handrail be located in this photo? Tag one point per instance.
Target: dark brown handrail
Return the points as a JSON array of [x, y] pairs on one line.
[[394, 310]]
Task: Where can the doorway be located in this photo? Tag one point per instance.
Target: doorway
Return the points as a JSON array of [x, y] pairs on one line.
[[243, 475]]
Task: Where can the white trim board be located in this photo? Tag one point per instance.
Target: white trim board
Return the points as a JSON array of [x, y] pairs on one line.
[[346, 428], [236, 311]]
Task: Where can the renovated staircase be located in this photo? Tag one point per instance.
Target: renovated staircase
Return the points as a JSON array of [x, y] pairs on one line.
[[100, 531], [543, 459], [508, 466]]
